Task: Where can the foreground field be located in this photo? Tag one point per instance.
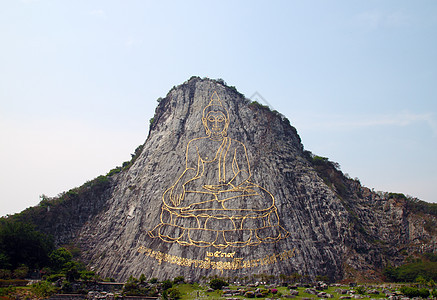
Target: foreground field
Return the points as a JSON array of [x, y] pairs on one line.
[[168, 290], [392, 291]]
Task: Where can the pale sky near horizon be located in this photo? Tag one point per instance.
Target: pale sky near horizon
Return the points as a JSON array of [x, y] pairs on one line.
[[79, 82]]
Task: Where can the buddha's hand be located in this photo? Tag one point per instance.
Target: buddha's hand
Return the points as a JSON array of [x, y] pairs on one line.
[[219, 187], [177, 194]]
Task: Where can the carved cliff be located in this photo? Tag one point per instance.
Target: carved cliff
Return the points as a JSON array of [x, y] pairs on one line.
[[276, 208]]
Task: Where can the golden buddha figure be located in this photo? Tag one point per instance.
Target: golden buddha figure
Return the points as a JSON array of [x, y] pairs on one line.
[[213, 203]]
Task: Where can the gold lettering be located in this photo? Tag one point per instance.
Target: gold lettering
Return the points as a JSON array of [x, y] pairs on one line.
[[207, 263]]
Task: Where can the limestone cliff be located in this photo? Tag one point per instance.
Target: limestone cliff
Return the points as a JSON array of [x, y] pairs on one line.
[[224, 186]]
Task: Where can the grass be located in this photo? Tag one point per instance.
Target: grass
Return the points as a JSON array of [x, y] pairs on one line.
[[196, 291]]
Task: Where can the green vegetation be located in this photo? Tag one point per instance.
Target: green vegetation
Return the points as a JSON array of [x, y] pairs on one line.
[[45, 215], [218, 288], [410, 272], [415, 292], [43, 289], [259, 105], [23, 250], [330, 172], [217, 283], [419, 206], [22, 247]]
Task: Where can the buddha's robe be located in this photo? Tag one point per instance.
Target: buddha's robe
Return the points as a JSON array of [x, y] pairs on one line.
[[220, 182]]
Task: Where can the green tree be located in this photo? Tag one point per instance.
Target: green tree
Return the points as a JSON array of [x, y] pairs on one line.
[[59, 258], [72, 270], [21, 244], [87, 275]]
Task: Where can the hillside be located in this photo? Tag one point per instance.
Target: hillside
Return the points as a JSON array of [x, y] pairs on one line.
[[276, 208]]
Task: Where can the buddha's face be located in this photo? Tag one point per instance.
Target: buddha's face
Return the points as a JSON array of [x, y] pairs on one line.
[[215, 122]]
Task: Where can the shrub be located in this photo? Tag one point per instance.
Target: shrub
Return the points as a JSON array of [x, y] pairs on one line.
[[54, 277], [414, 292], [153, 280], [171, 294], [21, 272], [43, 289], [166, 284], [411, 271], [87, 275], [142, 278], [179, 279], [7, 291], [361, 290], [217, 283]]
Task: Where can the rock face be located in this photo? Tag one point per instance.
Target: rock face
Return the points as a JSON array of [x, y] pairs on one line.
[[224, 186]]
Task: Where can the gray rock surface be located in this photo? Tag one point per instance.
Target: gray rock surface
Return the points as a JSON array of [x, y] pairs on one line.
[[303, 218]]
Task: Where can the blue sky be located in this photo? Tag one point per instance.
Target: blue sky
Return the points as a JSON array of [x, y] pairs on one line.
[[79, 82]]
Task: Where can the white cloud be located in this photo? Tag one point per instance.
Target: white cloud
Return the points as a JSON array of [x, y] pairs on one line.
[[355, 122]]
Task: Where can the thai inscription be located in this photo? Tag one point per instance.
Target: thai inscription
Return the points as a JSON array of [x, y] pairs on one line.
[[209, 263], [219, 254]]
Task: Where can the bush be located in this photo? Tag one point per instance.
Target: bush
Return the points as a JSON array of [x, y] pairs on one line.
[[54, 277], [217, 283], [412, 292], [171, 294], [166, 284], [153, 280], [179, 279], [87, 275], [361, 290], [7, 291], [411, 271], [21, 272], [67, 287], [43, 289]]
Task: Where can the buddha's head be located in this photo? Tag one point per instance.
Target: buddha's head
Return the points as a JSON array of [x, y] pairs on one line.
[[215, 118]]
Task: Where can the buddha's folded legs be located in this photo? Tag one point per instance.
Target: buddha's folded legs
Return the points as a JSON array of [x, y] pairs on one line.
[[219, 230]]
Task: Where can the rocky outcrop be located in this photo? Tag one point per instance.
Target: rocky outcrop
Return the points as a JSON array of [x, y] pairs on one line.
[[255, 202]]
